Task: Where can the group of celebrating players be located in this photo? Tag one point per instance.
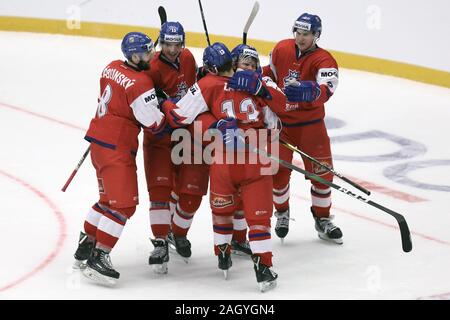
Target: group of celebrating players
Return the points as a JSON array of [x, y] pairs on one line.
[[231, 94]]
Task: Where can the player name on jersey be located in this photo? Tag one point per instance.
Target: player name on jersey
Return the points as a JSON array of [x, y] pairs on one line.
[[117, 76]]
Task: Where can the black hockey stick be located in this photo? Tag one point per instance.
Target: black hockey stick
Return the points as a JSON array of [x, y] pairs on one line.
[[204, 22], [163, 18], [74, 172], [354, 184], [404, 230], [250, 21]]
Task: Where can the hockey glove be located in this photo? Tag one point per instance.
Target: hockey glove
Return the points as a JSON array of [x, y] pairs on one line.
[[304, 91], [246, 80], [232, 136]]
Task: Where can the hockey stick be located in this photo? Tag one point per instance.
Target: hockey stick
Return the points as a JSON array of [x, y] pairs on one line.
[[404, 230], [354, 184], [204, 22], [76, 169], [163, 18], [250, 19]]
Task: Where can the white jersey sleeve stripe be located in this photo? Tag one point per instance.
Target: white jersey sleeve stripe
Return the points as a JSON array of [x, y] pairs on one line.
[[145, 109], [272, 66], [191, 105], [329, 77]]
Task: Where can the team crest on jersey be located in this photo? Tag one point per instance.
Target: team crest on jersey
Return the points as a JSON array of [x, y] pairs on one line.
[[182, 89], [292, 75], [221, 201]]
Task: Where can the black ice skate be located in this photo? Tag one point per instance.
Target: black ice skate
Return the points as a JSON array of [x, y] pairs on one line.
[[83, 252], [181, 245], [327, 230], [100, 269], [241, 248], [224, 257], [266, 278], [159, 256], [282, 226]]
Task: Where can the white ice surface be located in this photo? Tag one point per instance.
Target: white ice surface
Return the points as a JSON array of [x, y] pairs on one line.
[[49, 78]]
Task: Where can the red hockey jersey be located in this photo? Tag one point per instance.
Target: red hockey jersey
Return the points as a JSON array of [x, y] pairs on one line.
[[317, 65], [174, 79], [127, 101], [212, 94]]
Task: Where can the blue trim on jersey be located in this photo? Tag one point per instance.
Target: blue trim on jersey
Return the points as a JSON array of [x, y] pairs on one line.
[[222, 228], [111, 212], [100, 143], [256, 235], [300, 124], [107, 145]]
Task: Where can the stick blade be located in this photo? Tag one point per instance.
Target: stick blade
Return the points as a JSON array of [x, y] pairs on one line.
[[162, 14], [252, 16], [406, 236]]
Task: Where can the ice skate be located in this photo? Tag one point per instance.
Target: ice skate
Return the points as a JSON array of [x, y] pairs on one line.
[[159, 257], [83, 252], [241, 248], [282, 226], [181, 245], [224, 257], [266, 278], [327, 230], [100, 269]]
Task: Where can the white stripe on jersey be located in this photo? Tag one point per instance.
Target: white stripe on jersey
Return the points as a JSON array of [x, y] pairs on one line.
[[272, 66], [191, 105], [329, 77], [145, 109], [270, 118]]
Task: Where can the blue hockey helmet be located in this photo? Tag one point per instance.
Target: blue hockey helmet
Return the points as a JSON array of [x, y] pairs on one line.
[[172, 32], [136, 42], [308, 22], [244, 51], [216, 56]]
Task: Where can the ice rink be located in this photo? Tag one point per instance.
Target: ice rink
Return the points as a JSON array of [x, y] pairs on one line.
[[388, 133]]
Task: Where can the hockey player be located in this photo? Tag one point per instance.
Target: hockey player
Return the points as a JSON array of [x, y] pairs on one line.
[[210, 94], [309, 76], [127, 102], [244, 58], [173, 70]]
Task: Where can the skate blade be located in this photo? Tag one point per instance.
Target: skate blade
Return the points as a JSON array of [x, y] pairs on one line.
[[267, 285], [160, 268], [240, 253], [172, 245], [326, 238], [79, 265], [174, 250], [98, 277], [225, 274]]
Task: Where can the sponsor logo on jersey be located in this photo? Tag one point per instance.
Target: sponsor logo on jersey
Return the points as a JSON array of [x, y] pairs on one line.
[[291, 107], [193, 89], [101, 188], [192, 186], [118, 77], [260, 212], [328, 74], [150, 98], [318, 169], [221, 201]]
